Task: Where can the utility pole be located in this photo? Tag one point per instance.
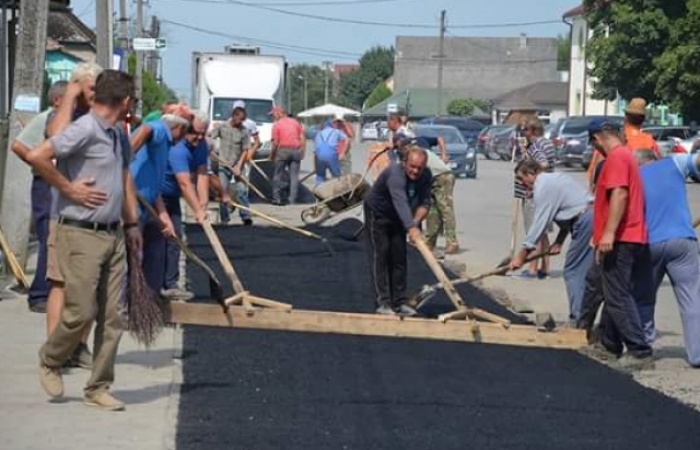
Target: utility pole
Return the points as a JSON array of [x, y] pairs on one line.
[[103, 21], [326, 67], [441, 57], [123, 35], [306, 92], [139, 58], [15, 207]]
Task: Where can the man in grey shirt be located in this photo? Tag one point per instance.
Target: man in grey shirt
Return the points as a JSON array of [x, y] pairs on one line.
[[559, 198], [95, 193]]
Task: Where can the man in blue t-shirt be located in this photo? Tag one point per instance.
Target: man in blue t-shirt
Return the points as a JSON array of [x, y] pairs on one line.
[[331, 145], [185, 176], [672, 242]]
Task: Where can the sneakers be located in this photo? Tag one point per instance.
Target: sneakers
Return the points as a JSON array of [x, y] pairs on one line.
[[405, 310], [629, 363], [51, 380], [104, 400], [385, 310], [177, 294], [81, 358], [247, 222]]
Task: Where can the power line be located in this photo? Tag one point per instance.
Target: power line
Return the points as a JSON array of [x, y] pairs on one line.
[[290, 47], [302, 3], [381, 24]]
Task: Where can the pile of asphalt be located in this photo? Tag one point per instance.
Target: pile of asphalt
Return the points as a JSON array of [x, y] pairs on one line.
[[257, 389]]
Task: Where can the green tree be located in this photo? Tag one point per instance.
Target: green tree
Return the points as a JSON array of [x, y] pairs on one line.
[[376, 65], [380, 93], [465, 106], [154, 93], [314, 78]]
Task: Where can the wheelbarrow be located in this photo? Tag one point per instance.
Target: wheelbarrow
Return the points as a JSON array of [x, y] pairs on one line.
[[335, 197]]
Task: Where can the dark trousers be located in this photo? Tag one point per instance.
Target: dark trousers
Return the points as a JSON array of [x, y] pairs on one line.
[[386, 241], [286, 174], [172, 251], [625, 284], [161, 256], [41, 213]]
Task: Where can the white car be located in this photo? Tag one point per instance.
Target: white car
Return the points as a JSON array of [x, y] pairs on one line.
[[370, 132]]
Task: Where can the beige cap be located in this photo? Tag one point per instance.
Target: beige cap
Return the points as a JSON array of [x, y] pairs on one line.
[[637, 106]]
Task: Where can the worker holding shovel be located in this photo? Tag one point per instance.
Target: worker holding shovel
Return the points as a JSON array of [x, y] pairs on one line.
[[559, 198]]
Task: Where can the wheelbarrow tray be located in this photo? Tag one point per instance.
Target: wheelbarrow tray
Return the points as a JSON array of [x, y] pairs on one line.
[[344, 192]]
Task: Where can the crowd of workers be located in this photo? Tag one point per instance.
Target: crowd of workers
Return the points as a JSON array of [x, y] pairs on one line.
[[101, 187]]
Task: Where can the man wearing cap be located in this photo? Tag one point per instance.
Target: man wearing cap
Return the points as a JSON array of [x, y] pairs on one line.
[[672, 242], [153, 141], [635, 138], [235, 150], [620, 239], [288, 149]]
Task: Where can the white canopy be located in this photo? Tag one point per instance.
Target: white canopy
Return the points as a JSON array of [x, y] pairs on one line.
[[328, 110]]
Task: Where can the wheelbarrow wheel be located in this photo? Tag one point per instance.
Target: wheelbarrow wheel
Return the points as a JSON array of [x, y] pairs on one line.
[[315, 214]]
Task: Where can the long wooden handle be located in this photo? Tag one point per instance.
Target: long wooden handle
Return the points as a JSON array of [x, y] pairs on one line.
[[498, 271], [222, 257], [179, 242], [696, 223], [435, 267], [15, 266], [278, 222], [514, 216], [242, 177], [257, 168]]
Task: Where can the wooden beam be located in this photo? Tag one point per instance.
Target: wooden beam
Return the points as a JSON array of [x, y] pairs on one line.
[[373, 325]]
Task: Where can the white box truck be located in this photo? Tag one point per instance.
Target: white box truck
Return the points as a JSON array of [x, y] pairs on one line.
[[239, 73]]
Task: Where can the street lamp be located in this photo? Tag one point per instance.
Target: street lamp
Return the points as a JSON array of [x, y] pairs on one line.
[[306, 92]]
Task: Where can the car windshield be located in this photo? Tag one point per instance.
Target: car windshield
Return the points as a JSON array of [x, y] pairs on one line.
[[257, 110], [448, 134]]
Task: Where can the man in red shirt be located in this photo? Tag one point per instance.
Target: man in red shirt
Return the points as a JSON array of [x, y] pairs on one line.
[[622, 252], [288, 148]]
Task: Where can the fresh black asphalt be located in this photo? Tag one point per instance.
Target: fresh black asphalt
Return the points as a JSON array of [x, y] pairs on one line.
[[259, 390]]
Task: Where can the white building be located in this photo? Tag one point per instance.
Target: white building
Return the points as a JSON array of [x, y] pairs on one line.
[[580, 84]]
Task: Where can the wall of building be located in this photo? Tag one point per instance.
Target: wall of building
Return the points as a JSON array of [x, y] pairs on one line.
[[59, 66], [581, 86]]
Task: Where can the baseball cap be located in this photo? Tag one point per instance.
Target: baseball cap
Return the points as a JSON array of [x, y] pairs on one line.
[[598, 125], [239, 104], [339, 116]]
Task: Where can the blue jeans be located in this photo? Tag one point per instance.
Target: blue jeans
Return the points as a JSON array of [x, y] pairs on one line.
[[172, 251], [327, 162], [578, 260], [41, 212], [679, 259], [238, 191], [153, 255]]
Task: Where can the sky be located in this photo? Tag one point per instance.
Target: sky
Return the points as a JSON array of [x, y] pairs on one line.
[[309, 40]]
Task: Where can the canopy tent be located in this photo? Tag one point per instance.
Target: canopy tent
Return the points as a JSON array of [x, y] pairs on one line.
[[328, 110]]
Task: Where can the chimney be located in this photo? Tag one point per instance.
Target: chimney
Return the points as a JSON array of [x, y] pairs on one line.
[[523, 40]]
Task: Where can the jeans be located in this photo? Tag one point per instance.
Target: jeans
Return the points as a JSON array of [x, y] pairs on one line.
[[153, 259], [172, 251], [286, 174], [238, 190], [626, 279], [41, 212], [386, 245], [578, 260], [327, 162], [680, 260]]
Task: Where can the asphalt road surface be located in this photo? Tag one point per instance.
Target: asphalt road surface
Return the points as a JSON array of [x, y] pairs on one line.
[[250, 389]]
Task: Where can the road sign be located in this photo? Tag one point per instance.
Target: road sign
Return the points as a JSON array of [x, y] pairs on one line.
[[392, 108], [148, 44]]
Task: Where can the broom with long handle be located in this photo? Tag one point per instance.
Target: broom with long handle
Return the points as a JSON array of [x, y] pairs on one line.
[[215, 289]]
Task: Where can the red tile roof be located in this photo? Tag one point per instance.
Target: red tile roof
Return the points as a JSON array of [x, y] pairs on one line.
[[574, 12]]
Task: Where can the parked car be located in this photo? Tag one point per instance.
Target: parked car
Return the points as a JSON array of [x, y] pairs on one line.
[[370, 131], [486, 136], [587, 157], [461, 155], [574, 126], [469, 128], [670, 138], [500, 144], [572, 153]]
